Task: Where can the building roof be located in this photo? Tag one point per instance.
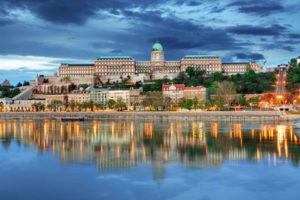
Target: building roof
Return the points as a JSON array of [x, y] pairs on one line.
[[194, 88], [199, 56], [100, 89], [6, 83], [115, 58], [181, 86], [80, 65], [157, 46], [178, 86], [238, 63]]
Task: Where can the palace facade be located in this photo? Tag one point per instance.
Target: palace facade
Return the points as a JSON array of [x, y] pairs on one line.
[[119, 67]]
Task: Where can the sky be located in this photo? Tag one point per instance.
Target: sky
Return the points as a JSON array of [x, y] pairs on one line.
[[37, 35]]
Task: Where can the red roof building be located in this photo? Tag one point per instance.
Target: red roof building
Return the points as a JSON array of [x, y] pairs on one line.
[[179, 92]]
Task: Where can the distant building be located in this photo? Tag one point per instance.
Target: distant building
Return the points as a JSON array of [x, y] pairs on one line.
[[6, 83], [240, 68], [178, 92], [120, 67], [298, 60]]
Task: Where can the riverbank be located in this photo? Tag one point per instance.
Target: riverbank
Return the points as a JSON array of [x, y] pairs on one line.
[[190, 115]]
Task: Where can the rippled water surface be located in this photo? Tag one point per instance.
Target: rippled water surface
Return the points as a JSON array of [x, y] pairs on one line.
[[123, 159]]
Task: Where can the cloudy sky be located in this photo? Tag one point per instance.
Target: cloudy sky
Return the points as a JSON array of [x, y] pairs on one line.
[[37, 35]]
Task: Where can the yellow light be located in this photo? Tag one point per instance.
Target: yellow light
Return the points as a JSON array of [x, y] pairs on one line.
[[279, 96]]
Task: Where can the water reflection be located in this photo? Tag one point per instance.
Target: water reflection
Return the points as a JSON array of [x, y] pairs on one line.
[[124, 144]]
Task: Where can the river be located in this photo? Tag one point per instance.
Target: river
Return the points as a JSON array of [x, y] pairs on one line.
[[147, 159]]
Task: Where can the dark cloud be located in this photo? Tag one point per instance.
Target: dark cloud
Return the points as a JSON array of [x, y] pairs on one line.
[[252, 56], [260, 8], [116, 51], [274, 30], [4, 22], [194, 3]]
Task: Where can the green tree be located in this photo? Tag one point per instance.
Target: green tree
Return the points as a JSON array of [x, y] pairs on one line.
[[72, 105], [195, 103], [181, 104], [188, 104], [14, 92], [218, 76], [111, 103], [120, 104], [190, 71], [193, 82]]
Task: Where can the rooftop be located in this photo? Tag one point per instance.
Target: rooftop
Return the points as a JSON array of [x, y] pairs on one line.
[[81, 65], [157, 47], [115, 58], [199, 56], [237, 63], [100, 89]]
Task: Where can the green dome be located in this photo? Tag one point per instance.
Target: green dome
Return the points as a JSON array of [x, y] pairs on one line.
[[157, 47]]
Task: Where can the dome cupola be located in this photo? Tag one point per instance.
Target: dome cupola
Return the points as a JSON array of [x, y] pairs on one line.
[[157, 46]]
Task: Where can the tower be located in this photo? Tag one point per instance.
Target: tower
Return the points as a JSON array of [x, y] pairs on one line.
[[157, 57]]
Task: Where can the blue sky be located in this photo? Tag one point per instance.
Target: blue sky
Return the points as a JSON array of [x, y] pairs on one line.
[[37, 35]]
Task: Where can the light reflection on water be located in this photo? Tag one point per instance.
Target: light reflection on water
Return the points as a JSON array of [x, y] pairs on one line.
[[123, 144]]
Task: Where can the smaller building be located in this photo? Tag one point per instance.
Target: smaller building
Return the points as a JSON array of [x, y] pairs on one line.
[[6, 83], [298, 60], [179, 93], [79, 97], [99, 96], [61, 98]]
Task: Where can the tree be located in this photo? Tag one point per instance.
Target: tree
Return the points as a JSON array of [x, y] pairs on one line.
[[19, 84], [188, 104], [120, 104], [195, 102], [72, 105], [25, 83], [38, 106], [225, 93], [182, 78], [14, 92], [155, 105], [111, 103], [242, 100], [56, 104], [190, 71], [218, 76], [181, 104], [193, 82], [65, 79]]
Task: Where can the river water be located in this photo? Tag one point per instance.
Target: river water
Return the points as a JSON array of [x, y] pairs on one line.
[[147, 159]]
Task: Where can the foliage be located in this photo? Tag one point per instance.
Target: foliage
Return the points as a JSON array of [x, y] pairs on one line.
[[83, 86], [293, 78], [253, 83], [65, 79], [6, 92], [188, 104], [111, 103], [26, 83], [120, 104], [38, 106], [19, 84], [225, 93]]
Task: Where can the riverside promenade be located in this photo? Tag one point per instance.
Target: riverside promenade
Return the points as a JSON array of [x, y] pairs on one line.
[[160, 115]]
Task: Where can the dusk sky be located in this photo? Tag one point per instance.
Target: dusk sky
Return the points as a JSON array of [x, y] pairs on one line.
[[38, 35]]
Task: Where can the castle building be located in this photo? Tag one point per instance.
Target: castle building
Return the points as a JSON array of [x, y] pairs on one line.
[[119, 67]]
